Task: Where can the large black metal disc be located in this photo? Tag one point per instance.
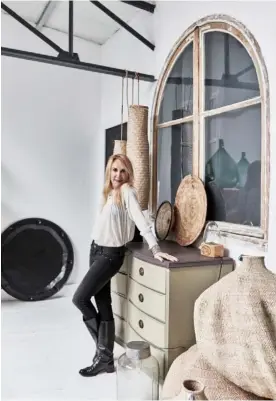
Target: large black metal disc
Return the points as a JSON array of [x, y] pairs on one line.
[[37, 259]]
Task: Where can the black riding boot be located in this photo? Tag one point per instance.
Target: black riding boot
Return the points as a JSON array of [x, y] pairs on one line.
[[93, 328], [104, 361]]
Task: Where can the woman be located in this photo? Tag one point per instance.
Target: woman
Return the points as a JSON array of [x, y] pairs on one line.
[[114, 228]]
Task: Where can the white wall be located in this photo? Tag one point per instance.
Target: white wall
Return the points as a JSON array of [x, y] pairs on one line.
[[50, 117], [170, 20]]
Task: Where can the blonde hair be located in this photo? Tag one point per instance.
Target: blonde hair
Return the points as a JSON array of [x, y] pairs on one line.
[[130, 176]]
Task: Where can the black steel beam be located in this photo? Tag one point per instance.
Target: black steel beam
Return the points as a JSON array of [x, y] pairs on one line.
[[71, 27], [123, 24], [71, 63], [224, 83], [30, 27], [142, 5]]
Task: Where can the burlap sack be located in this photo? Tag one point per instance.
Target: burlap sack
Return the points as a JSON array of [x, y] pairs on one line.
[[235, 326], [192, 365]]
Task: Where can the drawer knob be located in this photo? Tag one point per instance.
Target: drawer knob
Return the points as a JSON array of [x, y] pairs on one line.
[[141, 271], [141, 297], [141, 324]]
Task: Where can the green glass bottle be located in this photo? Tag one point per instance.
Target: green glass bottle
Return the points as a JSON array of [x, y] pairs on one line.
[[242, 169]]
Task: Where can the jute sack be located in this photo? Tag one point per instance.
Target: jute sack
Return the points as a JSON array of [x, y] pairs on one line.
[[235, 327], [192, 365]]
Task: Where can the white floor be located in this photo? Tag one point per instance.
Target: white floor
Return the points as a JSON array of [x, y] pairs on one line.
[[44, 344]]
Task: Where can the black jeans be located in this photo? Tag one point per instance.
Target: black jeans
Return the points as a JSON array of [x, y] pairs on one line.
[[104, 262]]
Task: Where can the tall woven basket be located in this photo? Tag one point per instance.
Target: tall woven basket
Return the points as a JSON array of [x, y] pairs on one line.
[[119, 147], [138, 151]]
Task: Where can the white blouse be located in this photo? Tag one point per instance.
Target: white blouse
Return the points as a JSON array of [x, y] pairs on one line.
[[115, 224]]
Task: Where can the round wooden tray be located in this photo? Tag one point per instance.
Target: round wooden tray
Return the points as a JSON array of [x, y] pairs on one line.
[[190, 210], [164, 220]]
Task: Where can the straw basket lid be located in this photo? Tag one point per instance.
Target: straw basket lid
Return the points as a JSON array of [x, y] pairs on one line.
[[164, 220], [190, 210]]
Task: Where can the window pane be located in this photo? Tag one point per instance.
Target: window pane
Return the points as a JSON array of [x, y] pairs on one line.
[[177, 99], [233, 166], [174, 159], [230, 75]]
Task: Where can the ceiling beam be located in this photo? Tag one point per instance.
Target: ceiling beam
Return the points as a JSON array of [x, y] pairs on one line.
[[46, 14], [64, 61], [71, 27], [224, 82], [30, 27], [88, 39], [123, 24], [142, 5]]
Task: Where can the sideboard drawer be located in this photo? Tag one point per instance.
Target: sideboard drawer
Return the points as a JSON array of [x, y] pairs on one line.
[[149, 301], [119, 305], [150, 329], [149, 275], [119, 284]]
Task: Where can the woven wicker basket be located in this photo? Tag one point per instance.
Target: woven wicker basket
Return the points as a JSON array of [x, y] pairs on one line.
[[119, 147], [190, 210], [164, 220], [138, 151]]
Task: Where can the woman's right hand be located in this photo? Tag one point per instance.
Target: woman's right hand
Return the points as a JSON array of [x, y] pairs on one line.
[[161, 256]]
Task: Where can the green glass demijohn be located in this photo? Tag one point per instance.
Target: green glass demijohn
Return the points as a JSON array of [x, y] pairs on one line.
[[222, 168]]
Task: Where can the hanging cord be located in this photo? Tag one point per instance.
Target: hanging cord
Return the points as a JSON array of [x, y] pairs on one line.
[[132, 90], [127, 89], [138, 89], [122, 108]]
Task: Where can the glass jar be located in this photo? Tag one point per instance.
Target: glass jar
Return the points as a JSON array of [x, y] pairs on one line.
[[137, 373]]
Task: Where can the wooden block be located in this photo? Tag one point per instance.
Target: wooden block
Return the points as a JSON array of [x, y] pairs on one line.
[[212, 249]]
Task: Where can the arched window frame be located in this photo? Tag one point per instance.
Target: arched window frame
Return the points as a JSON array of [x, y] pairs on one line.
[[226, 24]]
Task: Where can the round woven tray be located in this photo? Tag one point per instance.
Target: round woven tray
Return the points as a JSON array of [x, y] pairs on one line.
[[164, 220], [190, 210]]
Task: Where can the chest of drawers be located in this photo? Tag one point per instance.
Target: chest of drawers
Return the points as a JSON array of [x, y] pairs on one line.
[[154, 301]]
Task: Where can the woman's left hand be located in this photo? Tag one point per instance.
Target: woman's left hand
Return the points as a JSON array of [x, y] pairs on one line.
[[161, 256]]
